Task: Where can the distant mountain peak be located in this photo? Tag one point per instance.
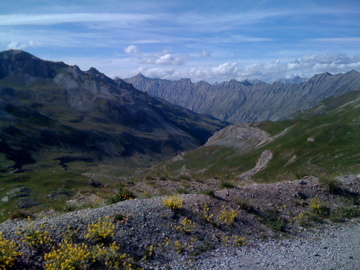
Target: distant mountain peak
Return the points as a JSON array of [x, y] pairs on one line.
[[93, 71], [295, 80], [352, 72], [246, 83], [139, 75]]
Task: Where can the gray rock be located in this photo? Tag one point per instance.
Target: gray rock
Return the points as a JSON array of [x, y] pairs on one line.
[[95, 183], [27, 202], [263, 160], [19, 192]]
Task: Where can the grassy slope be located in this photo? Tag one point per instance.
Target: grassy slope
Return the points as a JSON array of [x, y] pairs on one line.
[[334, 127]]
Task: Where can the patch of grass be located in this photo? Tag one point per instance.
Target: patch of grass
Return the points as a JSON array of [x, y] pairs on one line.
[[122, 195], [347, 212], [226, 185], [62, 206], [20, 214], [273, 220], [247, 206], [332, 186], [210, 193], [182, 191], [275, 223], [318, 208]]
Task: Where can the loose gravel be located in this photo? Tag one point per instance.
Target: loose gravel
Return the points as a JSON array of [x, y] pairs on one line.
[[331, 247]]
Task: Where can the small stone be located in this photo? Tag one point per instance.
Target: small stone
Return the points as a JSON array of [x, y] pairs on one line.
[[94, 183], [302, 195], [27, 202]]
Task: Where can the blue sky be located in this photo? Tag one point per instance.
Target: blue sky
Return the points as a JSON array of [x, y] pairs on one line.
[[202, 40]]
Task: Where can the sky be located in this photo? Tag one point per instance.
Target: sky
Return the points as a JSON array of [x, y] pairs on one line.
[[212, 40]]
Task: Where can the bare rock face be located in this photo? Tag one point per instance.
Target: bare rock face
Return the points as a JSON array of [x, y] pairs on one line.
[[240, 136], [263, 160]]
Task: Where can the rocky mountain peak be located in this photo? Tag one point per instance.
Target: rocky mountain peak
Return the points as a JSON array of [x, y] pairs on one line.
[[93, 71], [17, 62], [246, 83], [139, 75]]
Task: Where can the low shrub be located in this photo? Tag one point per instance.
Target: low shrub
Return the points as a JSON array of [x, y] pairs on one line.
[[174, 202], [205, 214], [187, 226], [9, 251], [36, 237], [19, 214], [228, 216], [69, 256], [316, 207], [101, 231], [332, 186], [348, 212], [122, 195]]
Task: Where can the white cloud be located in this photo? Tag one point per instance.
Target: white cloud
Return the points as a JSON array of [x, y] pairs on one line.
[[131, 49], [20, 46], [163, 73], [344, 40], [164, 59], [50, 19], [269, 71], [205, 54]]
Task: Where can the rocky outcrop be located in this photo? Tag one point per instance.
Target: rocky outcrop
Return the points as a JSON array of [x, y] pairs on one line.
[[240, 136], [263, 160], [237, 102]]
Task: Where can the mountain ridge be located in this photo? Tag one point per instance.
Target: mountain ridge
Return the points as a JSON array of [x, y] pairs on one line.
[[237, 102]]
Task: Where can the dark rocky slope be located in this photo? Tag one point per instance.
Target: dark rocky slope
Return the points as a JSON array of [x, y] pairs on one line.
[[50, 107]]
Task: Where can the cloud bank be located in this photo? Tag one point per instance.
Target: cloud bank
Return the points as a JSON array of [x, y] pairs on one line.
[[305, 67]]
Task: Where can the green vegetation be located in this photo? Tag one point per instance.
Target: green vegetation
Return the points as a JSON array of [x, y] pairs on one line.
[[174, 202], [9, 251], [122, 195], [101, 231], [323, 142], [228, 215]]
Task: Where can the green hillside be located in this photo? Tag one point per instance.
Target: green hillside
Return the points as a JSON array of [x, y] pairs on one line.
[[323, 141]]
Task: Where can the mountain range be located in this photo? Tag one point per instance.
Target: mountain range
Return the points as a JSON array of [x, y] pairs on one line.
[[236, 102], [52, 110]]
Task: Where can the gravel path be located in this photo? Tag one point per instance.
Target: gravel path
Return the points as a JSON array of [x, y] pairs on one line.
[[334, 247]]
